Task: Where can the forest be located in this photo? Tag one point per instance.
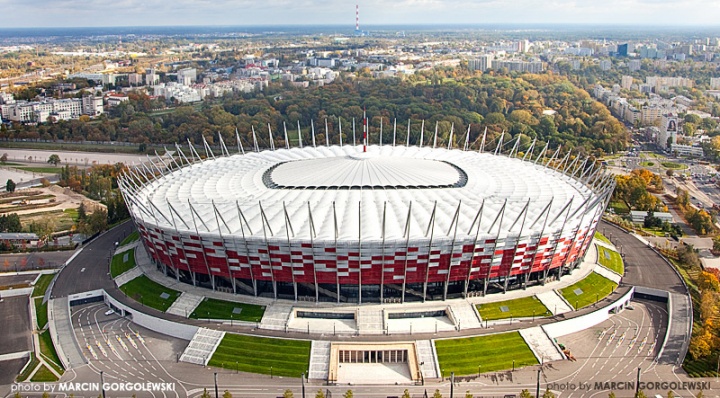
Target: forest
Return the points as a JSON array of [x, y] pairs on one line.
[[528, 106]]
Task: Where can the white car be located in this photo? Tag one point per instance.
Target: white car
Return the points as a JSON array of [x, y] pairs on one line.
[[109, 312]]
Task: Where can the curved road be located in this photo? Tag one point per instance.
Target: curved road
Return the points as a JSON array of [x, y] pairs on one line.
[[89, 270]]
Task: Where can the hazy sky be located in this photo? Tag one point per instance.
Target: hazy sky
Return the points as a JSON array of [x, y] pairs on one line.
[[49, 13]]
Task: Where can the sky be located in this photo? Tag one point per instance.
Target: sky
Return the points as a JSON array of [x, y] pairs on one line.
[[87, 13]]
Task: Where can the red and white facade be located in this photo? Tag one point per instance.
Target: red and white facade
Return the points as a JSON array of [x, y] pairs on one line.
[[394, 223]]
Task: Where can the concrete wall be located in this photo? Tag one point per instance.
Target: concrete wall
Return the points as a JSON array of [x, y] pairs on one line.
[[26, 291], [162, 326], [573, 325]]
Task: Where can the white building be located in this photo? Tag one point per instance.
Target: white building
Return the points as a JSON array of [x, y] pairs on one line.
[[482, 63], [187, 76], [626, 82], [178, 92]]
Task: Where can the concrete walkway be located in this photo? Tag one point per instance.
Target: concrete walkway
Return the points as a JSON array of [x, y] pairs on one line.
[[319, 360], [202, 346], [613, 276], [185, 305], [677, 337], [62, 333], [128, 275], [554, 302], [540, 344]]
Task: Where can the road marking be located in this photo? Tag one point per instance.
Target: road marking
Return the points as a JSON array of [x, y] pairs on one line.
[[82, 270]]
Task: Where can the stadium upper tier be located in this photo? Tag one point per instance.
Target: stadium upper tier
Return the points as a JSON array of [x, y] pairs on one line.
[[388, 193]]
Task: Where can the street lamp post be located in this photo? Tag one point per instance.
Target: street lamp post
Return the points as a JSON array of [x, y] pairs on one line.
[[302, 381], [216, 388], [102, 384]]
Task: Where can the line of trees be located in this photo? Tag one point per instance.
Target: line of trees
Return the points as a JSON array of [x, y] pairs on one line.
[[516, 104]]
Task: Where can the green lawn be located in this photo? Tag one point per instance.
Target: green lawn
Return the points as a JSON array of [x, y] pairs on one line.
[[42, 170], [130, 238], [34, 362], [41, 313], [647, 164], [48, 351], [619, 207], [220, 309], [73, 213], [517, 308], [673, 165], [610, 259], [594, 287], [44, 374], [42, 285], [147, 292], [262, 355], [602, 238], [491, 353], [118, 265]]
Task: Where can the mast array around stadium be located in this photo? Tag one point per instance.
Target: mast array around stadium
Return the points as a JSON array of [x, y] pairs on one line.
[[358, 221]]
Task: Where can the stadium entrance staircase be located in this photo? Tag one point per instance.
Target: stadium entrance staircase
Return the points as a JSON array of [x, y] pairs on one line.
[[128, 275], [185, 304], [541, 345], [202, 346], [427, 358], [319, 360], [552, 300], [370, 321], [466, 316], [276, 316]]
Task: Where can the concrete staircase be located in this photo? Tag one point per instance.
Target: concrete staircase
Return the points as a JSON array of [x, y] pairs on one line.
[[428, 360], [276, 316], [466, 316], [540, 344], [185, 305], [552, 300], [319, 360], [370, 321], [202, 346], [599, 269], [127, 276]]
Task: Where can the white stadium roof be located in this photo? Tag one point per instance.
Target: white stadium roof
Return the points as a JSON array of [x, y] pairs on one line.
[[329, 193]]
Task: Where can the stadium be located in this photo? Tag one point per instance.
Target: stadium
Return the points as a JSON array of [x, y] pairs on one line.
[[361, 224]]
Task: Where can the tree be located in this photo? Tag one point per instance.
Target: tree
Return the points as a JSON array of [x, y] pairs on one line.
[[468, 394], [548, 393], [10, 186], [54, 160], [406, 394], [671, 394], [640, 394], [288, 394], [525, 394], [320, 394], [348, 394], [669, 173], [205, 394], [227, 394], [437, 394], [611, 395], [3, 158]]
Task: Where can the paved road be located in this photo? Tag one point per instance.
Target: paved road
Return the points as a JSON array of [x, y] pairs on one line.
[[643, 266], [89, 270]]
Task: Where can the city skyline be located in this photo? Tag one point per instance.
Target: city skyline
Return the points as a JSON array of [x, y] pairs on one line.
[[74, 13]]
